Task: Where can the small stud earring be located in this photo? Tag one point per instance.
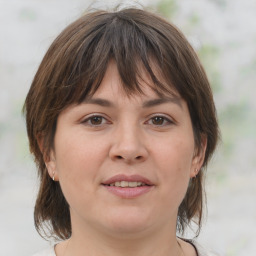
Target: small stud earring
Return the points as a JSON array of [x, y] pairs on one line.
[[53, 178]]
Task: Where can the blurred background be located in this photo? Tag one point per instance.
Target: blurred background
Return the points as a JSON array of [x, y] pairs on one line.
[[223, 32]]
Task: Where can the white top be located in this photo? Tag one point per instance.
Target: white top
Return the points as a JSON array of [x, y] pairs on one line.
[[48, 252], [200, 250]]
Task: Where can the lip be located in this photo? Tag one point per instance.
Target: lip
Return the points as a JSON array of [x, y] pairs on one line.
[[123, 177], [128, 192]]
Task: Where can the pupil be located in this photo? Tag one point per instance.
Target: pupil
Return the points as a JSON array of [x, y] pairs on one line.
[[96, 120], [158, 120]]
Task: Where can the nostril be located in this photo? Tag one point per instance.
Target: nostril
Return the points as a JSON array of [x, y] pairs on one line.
[[137, 157]]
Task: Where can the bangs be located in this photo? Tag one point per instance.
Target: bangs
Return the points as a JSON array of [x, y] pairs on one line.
[[133, 46]]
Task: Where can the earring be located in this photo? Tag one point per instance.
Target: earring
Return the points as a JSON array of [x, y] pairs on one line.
[[196, 172], [53, 178]]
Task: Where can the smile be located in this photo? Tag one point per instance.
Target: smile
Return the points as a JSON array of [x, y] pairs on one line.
[[127, 184], [128, 187]]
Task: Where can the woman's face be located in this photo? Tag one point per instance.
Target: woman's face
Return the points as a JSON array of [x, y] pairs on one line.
[[124, 163]]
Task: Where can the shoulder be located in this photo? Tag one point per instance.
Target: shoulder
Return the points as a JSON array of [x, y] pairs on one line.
[[48, 252]]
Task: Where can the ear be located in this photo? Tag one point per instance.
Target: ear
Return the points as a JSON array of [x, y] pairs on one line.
[[50, 163], [199, 156], [49, 159]]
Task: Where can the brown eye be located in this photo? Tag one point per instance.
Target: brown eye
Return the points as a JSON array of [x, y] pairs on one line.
[[96, 120], [158, 120]]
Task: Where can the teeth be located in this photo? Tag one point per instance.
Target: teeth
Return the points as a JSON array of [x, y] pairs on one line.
[[133, 184], [125, 184]]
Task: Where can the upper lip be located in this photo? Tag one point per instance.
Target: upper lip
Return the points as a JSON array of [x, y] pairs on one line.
[[123, 177]]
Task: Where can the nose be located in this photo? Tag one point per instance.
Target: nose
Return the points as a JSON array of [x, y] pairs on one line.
[[128, 145]]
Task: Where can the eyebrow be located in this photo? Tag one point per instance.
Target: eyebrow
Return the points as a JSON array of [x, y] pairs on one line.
[[159, 101], [99, 101], [146, 104]]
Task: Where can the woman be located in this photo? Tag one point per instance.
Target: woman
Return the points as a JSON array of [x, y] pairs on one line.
[[121, 121]]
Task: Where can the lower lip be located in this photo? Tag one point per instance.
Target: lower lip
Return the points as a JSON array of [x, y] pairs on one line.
[[128, 192]]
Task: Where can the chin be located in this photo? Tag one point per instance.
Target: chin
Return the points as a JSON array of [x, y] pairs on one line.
[[128, 223]]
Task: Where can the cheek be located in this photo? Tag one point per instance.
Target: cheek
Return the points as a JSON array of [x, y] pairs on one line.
[[174, 160], [78, 161], [75, 151], [175, 156]]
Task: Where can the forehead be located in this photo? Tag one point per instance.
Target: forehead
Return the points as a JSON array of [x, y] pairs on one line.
[[112, 85]]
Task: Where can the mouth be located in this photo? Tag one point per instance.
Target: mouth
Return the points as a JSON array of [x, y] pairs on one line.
[[128, 186]]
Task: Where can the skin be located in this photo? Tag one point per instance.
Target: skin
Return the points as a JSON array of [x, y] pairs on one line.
[[128, 137]]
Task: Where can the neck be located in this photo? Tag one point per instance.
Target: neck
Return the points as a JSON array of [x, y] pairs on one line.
[[161, 242]]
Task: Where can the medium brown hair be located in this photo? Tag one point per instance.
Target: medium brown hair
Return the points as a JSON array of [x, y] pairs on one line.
[[73, 69]]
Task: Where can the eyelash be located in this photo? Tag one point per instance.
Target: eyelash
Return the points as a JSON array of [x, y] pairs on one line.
[[166, 120], [88, 121]]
